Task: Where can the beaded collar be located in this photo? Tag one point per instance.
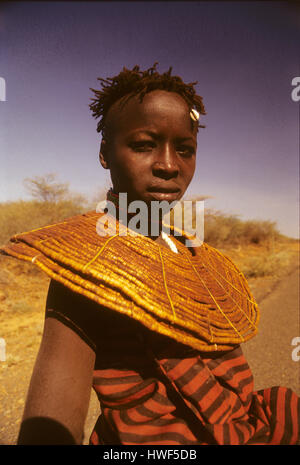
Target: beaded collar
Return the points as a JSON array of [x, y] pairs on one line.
[[201, 300]]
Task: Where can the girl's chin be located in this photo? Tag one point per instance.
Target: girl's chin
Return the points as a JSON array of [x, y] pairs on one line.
[[149, 197]]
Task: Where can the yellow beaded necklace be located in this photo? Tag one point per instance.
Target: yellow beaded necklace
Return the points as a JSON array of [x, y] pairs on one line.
[[200, 299]]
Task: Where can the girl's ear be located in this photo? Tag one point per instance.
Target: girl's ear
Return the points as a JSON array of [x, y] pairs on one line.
[[103, 155]]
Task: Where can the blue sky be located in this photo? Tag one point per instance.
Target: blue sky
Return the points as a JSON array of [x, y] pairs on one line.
[[244, 56]]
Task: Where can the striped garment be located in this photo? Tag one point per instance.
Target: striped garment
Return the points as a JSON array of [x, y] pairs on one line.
[[217, 390], [154, 390]]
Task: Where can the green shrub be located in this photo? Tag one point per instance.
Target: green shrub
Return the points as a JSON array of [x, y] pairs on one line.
[[21, 216], [53, 202], [262, 265], [221, 230]]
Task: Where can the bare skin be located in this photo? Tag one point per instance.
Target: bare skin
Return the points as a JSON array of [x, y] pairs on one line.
[[61, 382], [151, 145]]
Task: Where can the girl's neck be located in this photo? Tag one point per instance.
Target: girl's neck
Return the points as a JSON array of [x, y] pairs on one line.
[[153, 224]]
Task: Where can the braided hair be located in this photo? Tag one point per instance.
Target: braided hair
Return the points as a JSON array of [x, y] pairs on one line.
[[130, 83]]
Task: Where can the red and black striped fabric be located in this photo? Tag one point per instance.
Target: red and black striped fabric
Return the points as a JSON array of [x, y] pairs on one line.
[[154, 390], [218, 389]]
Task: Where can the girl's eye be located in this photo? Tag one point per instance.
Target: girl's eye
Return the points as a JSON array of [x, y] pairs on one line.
[[186, 150], [142, 146]]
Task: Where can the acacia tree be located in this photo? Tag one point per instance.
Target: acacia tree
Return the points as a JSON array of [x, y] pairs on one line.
[[54, 200], [46, 188]]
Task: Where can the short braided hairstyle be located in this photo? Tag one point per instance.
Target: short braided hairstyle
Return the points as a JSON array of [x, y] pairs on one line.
[[129, 83]]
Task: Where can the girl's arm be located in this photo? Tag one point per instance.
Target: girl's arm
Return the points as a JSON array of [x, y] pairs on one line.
[[59, 392]]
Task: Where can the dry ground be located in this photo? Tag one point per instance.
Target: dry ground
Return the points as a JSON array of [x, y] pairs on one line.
[[23, 290]]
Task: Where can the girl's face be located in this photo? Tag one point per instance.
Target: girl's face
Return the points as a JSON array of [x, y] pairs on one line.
[[150, 147]]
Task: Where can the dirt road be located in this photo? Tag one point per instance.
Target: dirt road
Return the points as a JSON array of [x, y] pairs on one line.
[[269, 354]]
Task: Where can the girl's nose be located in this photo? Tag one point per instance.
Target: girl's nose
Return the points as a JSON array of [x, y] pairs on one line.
[[166, 164]]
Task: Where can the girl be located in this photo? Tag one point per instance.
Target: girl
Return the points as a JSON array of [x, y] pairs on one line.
[[152, 325]]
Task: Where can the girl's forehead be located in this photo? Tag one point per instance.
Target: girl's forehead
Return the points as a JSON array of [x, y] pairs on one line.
[[157, 100], [159, 107]]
